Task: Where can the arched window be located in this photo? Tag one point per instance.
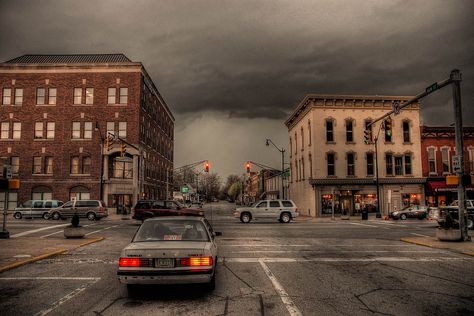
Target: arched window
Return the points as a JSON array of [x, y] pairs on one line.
[[86, 165], [309, 133], [329, 130], [41, 193], [79, 193], [349, 130], [406, 131]]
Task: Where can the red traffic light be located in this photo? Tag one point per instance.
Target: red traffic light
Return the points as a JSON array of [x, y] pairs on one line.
[[247, 166], [206, 166]]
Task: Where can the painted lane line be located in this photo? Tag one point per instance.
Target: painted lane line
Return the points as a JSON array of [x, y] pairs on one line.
[[60, 231], [285, 298], [377, 259], [96, 231], [53, 278], [366, 225], [421, 235], [280, 245], [264, 245], [66, 298], [29, 232], [339, 251]]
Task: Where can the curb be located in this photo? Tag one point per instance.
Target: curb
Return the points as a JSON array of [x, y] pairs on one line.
[[416, 242], [468, 254], [45, 256]]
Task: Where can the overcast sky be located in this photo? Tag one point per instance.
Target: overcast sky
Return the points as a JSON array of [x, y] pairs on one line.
[[232, 71]]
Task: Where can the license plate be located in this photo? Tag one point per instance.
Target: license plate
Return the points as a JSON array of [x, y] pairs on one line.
[[164, 263]]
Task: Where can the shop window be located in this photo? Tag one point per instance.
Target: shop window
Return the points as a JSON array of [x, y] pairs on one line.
[[407, 165], [331, 164], [411, 199], [370, 164], [406, 131], [79, 193], [349, 131], [41, 193], [329, 131], [12, 200], [389, 164], [350, 164], [398, 166], [445, 160], [431, 161]]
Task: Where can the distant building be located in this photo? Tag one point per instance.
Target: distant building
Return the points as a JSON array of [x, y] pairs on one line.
[[438, 146], [56, 112], [331, 164]]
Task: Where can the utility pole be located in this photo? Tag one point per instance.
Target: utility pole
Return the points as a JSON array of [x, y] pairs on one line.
[[282, 150]]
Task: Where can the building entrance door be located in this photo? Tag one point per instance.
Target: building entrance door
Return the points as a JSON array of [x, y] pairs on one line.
[[347, 202], [122, 203]]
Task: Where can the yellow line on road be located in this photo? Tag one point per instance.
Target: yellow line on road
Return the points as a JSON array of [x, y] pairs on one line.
[[91, 241], [416, 242], [21, 263]]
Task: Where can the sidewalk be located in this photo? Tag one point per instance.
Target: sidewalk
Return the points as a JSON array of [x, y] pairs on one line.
[[465, 247], [328, 219], [20, 251]]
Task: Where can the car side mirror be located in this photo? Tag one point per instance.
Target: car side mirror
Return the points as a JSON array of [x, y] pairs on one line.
[[217, 233]]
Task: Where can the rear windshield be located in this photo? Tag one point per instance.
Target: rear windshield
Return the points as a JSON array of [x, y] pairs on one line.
[[287, 203], [144, 205], [172, 230]]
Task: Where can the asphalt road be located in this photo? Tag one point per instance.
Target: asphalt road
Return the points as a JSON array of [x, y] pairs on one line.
[[266, 268]]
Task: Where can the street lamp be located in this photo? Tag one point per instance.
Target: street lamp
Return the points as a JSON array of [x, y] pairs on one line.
[[97, 128], [267, 143]]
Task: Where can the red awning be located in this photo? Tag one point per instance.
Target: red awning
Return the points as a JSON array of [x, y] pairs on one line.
[[441, 186]]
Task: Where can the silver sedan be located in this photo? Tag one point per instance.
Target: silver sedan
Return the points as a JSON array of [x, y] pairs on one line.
[[170, 250]]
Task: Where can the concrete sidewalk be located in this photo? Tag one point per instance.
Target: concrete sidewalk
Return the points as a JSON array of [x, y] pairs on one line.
[[328, 219], [20, 251], [465, 247]]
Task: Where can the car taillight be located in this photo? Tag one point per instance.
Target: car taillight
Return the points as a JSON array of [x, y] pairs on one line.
[[135, 262], [195, 262]]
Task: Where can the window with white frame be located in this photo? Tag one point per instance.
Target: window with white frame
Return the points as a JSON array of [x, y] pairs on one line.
[[123, 95], [87, 130], [48, 165], [432, 161], [111, 128], [39, 130], [37, 165], [50, 130], [77, 95], [5, 130], [16, 130], [89, 95], [111, 96], [52, 96], [15, 163], [18, 96], [7, 96], [122, 132], [40, 96], [76, 130], [445, 160], [74, 165]]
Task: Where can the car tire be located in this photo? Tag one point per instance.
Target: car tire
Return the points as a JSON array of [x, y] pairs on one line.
[[245, 218], [211, 286], [285, 217], [56, 216], [403, 217], [45, 216], [470, 223], [91, 216], [17, 215]]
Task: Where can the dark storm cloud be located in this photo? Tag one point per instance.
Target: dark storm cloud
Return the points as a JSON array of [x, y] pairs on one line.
[[258, 59]]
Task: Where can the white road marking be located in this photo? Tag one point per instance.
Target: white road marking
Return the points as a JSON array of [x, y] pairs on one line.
[[391, 224], [339, 251], [377, 259], [421, 235], [66, 298], [60, 231], [359, 224], [29, 232], [53, 278], [96, 231], [264, 245], [285, 298]]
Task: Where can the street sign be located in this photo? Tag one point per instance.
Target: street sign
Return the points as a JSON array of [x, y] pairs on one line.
[[432, 88], [8, 171], [184, 189], [456, 164]]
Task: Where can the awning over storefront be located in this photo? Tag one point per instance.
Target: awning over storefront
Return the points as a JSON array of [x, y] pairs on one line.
[[441, 186]]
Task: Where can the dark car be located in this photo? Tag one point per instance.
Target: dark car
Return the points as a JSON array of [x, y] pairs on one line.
[[416, 211], [452, 210], [151, 208]]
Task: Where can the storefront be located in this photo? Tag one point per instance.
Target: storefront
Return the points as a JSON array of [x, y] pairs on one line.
[[438, 193], [349, 202]]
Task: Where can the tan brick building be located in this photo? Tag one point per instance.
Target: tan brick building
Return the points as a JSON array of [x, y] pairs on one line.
[[55, 113], [330, 163]]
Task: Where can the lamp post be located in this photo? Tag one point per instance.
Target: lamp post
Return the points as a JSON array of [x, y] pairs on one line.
[[268, 142], [97, 128]]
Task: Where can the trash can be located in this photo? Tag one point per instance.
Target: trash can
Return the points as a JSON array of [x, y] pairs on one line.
[[365, 215]]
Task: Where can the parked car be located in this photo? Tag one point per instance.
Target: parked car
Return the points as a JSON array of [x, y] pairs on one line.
[[416, 211], [90, 209], [283, 210], [170, 250], [453, 210], [35, 208], [150, 208], [433, 213]]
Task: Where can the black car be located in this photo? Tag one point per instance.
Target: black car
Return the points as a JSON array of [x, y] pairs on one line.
[[416, 211]]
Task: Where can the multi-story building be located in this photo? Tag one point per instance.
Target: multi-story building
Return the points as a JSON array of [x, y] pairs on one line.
[[56, 112], [438, 146], [331, 164]]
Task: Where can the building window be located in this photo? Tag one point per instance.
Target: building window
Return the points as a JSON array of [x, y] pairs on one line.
[[15, 163], [122, 167], [111, 98], [76, 130], [89, 95], [38, 130], [52, 95], [309, 133], [388, 130], [291, 148], [37, 165], [398, 166], [445, 160], [40, 96], [50, 130], [123, 95], [389, 164], [310, 160], [75, 165], [370, 164], [87, 130], [406, 131], [12, 200], [407, 164], [331, 166], [350, 164], [16, 130], [77, 95], [41, 193], [471, 160], [349, 131], [79, 193], [122, 132], [48, 165], [111, 128], [86, 165], [302, 138], [329, 131], [7, 96], [431, 161], [296, 171], [18, 96], [296, 143], [5, 130], [302, 168]]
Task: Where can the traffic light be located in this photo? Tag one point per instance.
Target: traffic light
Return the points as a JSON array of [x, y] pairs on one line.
[[206, 166], [388, 127], [109, 142], [123, 149], [367, 135], [247, 166]]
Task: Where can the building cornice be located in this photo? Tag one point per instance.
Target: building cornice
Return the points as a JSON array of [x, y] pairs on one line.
[[69, 68]]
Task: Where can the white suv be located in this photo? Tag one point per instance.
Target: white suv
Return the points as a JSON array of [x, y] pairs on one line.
[[283, 210]]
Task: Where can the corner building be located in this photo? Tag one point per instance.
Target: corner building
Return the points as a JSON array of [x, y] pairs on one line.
[[56, 112], [331, 164]]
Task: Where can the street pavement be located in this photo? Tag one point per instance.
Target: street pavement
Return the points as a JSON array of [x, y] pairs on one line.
[[307, 267]]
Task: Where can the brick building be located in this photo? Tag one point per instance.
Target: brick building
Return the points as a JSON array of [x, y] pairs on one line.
[[55, 113], [438, 146]]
